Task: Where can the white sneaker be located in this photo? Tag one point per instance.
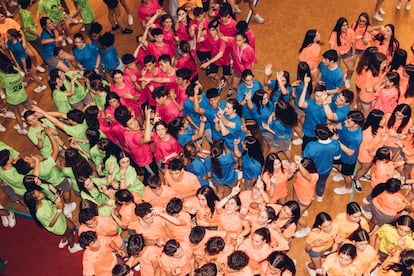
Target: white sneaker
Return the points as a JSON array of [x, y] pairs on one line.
[[68, 209], [366, 214], [237, 9], [5, 221], [82, 29], [378, 17], [12, 219], [16, 126], [398, 5], [63, 242], [40, 69], [259, 19], [312, 272], [2, 95], [342, 191], [302, 232], [69, 40], [297, 141], [40, 88], [337, 178], [2, 128], [130, 20], [365, 201], [75, 248], [381, 11], [408, 6], [63, 43], [305, 213], [366, 177], [137, 267], [319, 198], [22, 131], [347, 83]]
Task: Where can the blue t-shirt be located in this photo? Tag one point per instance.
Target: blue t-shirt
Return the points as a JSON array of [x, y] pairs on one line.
[[210, 113], [109, 58], [322, 153], [351, 140], [314, 115], [229, 174], [184, 138], [332, 78], [18, 51], [47, 49], [265, 112], [237, 132], [188, 109], [341, 112], [86, 56], [242, 90], [281, 129], [199, 169], [299, 90], [251, 167], [277, 94]]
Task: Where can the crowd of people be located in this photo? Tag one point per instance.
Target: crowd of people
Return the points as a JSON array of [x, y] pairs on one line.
[[197, 178]]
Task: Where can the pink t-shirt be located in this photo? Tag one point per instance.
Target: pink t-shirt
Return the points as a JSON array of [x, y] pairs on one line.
[[228, 29], [216, 46], [162, 49], [127, 79], [203, 45], [168, 112], [152, 85], [182, 32], [147, 11], [122, 92], [164, 148], [387, 99], [243, 58], [141, 153], [251, 38], [187, 62]]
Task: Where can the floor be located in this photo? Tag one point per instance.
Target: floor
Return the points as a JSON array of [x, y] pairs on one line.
[[277, 41]]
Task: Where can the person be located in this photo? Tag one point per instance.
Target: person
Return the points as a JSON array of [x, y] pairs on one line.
[[322, 240], [367, 257], [180, 129], [203, 206], [310, 51], [337, 106], [184, 183], [143, 256], [386, 41], [146, 10], [363, 33], [166, 106], [158, 47], [341, 263], [248, 88], [87, 55], [279, 263], [193, 163], [395, 236], [97, 194], [108, 53], [350, 220], [131, 78], [342, 40], [330, 74], [401, 261], [281, 87], [237, 264], [48, 215], [176, 258], [157, 193], [166, 146]]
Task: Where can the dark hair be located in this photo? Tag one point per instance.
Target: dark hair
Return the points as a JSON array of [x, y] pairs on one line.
[[285, 75], [208, 269], [309, 37], [323, 132], [22, 167], [176, 164], [76, 116], [164, 58], [257, 99], [366, 59], [197, 234], [107, 39], [122, 115], [309, 165], [373, 120], [174, 206], [156, 31], [127, 58], [404, 220], [143, 209], [392, 186], [175, 126], [85, 215], [409, 69], [4, 157], [215, 245], [121, 270], [320, 219], [281, 261], [183, 73], [30, 200], [349, 250], [29, 182], [79, 165], [217, 150], [154, 181], [95, 28], [171, 247], [24, 4], [393, 44], [124, 195], [405, 110], [81, 184], [254, 149], [405, 266], [352, 208], [86, 238], [285, 113], [359, 235], [237, 260], [304, 70], [382, 153], [210, 196], [264, 233], [135, 244], [331, 55], [150, 58], [270, 159], [367, 23], [356, 116], [295, 209], [337, 29], [399, 59]]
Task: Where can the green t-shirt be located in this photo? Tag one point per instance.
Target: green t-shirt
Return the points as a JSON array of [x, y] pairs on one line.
[[45, 214], [47, 148], [110, 161], [68, 172], [96, 156], [13, 84], [13, 152], [27, 22], [86, 11], [131, 178], [102, 200], [14, 179], [61, 101], [52, 10], [100, 100], [50, 173], [80, 90], [78, 131]]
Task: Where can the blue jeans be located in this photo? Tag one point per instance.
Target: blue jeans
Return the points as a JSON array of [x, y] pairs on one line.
[[320, 184]]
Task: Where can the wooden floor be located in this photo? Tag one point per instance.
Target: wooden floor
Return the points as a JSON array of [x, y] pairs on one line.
[[277, 42]]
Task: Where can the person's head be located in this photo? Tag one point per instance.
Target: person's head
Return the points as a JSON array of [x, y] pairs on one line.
[[213, 27], [112, 100], [232, 108], [404, 225], [174, 206], [366, 58], [190, 152], [215, 245], [107, 39], [160, 95], [405, 264], [124, 196], [173, 249], [213, 97], [360, 238], [237, 260], [401, 113], [208, 269], [176, 168], [149, 62], [345, 97], [383, 154], [377, 64], [354, 119], [290, 211], [85, 184], [123, 116], [166, 21], [13, 34], [279, 263], [311, 36], [5, 157], [79, 164], [207, 197], [75, 116], [122, 270], [363, 21], [88, 217], [260, 237], [323, 222], [144, 211], [129, 61], [388, 31], [273, 162], [340, 27], [32, 182], [22, 166], [197, 234], [160, 128], [46, 24], [225, 12], [79, 40], [247, 77], [135, 245], [330, 56], [117, 76], [308, 165], [24, 4], [183, 76], [154, 182], [266, 216], [89, 239], [285, 113], [323, 132], [240, 39], [375, 120], [95, 30], [242, 26], [157, 34], [233, 205], [353, 212], [164, 62], [399, 59], [260, 98], [392, 79], [347, 253], [198, 13], [319, 91], [254, 149]]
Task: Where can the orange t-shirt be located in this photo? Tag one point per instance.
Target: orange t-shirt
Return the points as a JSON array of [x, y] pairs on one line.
[[390, 140], [390, 260], [366, 260], [281, 182], [246, 271], [383, 48], [304, 189], [152, 231], [188, 183], [360, 78], [369, 144], [369, 82], [347, 39], [231, 223], [170, 263], [383, 171], [219, 259], [361, 31], [105, 227], [149, 255], [100, 262], [167, 193], [347, 227], [312, 56], [257, 257], [389, 204], [180, 232], [198, 249], [127, 212], [203, 214], [327, 238], [334, 268], [246, 198]]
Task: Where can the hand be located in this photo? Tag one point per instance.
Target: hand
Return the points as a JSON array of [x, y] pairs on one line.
[[248, 96], [298, 159], [307, 79], [172, 94], [133, 78], [204, 65], [37, 109], [279, 75], [268, 69], [48, 131], [236, 141], [203, 119], [235, 190], [265, 126]]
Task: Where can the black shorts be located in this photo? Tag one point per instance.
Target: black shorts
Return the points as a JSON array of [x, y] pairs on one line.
[[112, 4], [214, 69], [346, 169]]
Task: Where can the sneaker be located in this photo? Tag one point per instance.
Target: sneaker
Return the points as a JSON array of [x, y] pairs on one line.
[[366, 214], [2, 128], [378, 17], [237, 9], [357, 185], [312, 272], [302, 232], [40, 88], [5, 221], [366, 177], [137, 267], [7, 114], [398, 6], [337, 178], [405, 186], [2, 95], [22, 131], [13, 4], [116, 27], [381, 11], [82, 29], [347, 83], [63, 43], [130, 20], [305, 213], [297, 141], [68, 209], [342, 191], [12, 219], [365, 201], [40, 69], [408, 6], [75, 248], [16, 126], [69, 40], [221, 84], [9, 14], [63, 242], [73, 20], [229, 93], [127, 31], [319, 198], [259, 19]]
